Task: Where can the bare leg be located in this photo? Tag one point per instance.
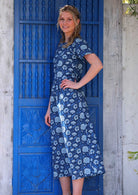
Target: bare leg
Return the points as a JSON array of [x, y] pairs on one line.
[[65, 185], [77, 186]]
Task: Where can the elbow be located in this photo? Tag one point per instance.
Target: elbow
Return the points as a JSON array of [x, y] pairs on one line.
[[100, 67]]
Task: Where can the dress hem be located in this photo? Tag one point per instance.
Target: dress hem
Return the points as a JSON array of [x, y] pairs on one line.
[[83, 176]]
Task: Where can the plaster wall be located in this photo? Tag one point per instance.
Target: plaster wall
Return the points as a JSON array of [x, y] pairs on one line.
[[112, 97], [130, 103], [6, 95]]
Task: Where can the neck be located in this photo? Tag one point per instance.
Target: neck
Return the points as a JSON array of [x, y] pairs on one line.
[[67, 36]]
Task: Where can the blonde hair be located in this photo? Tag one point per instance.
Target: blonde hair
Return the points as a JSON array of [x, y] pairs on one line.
[[76, 15]]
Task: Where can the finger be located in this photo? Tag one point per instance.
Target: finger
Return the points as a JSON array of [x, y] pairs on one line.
[[63, 81], [48, 124], [47, 121], [63, 85], [66, 86]]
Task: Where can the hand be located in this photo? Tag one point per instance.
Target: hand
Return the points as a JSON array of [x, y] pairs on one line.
[[69, 84], [47, 118]]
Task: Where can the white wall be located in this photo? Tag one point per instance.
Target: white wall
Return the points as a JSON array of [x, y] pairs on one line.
[[112, 97], [6, 95], [130, 103]]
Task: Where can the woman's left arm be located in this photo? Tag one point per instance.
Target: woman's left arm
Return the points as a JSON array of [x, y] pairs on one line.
[[96, 66]]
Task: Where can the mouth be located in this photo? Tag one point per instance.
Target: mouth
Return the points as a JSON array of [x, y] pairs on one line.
[[65, 27]]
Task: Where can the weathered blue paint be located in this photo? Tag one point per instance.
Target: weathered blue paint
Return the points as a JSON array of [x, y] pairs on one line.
[[36, 39]]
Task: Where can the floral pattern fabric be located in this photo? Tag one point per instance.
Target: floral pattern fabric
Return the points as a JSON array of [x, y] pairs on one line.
[[75, 151]]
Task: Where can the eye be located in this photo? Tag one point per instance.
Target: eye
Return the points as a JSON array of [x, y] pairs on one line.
[[61, 19]]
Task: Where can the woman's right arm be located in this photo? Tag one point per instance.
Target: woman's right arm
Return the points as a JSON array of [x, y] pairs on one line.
[[47, 116]]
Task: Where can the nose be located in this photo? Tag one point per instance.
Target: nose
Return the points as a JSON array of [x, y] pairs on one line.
[[65, 21]]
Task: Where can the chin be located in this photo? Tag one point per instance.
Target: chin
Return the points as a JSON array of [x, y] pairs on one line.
[[65, 30]]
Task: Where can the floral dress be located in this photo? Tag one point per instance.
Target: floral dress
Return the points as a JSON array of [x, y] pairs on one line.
[[75, 151]]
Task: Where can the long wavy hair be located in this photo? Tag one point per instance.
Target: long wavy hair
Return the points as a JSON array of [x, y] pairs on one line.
[[76, 15]]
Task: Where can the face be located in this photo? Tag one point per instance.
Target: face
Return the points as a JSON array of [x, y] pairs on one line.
[[66, 23]]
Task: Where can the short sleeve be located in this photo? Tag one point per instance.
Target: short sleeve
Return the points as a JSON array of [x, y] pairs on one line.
[[81, 48]]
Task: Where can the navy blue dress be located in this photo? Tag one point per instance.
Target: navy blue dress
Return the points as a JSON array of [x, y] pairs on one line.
[[75, 151]]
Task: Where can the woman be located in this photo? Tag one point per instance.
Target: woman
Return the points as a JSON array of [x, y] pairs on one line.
[[75, 151]]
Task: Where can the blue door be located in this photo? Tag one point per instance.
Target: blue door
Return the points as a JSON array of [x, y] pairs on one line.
[[35, 39]]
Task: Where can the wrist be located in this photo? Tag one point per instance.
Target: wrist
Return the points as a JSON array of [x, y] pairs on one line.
[[48, 109], [78, 85]]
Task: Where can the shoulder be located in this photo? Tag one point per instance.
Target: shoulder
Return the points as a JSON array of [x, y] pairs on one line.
[[81, 47], [80, 41]]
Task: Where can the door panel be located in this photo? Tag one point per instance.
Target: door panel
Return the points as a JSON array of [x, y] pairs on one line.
[[36, 39]]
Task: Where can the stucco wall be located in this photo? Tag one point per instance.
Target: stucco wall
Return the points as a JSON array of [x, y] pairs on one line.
[[6, 95], [130, 103], [112, 98]]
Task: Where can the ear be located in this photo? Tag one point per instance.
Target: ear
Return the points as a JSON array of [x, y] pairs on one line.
[[78, 21]]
